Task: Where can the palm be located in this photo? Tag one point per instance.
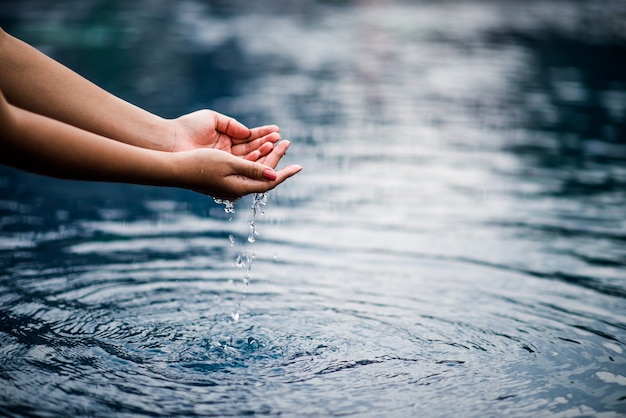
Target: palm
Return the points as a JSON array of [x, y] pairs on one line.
[[208, 129]]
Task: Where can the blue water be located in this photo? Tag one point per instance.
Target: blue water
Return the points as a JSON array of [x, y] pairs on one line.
[[453, 247]]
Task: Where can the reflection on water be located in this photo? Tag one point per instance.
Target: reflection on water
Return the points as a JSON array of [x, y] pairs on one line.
[[455, 245]]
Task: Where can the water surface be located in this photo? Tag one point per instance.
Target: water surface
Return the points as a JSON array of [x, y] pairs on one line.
[[454, 246]]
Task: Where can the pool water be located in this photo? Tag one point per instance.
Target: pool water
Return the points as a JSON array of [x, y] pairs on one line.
[[455, 245]]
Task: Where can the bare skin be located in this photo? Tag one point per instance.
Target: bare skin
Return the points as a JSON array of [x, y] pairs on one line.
[[56, 123]]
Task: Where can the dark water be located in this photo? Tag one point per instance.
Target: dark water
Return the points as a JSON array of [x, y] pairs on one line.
[[454, 247]]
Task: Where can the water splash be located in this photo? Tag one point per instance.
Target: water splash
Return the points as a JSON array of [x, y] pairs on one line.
[[235, 315]]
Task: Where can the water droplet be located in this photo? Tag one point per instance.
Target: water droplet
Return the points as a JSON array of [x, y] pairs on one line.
[[260, 199], [229, 207], [232, 240], [246, 281], [235, 316]]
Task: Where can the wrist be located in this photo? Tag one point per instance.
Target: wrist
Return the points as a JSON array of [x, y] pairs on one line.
[[164, 135]]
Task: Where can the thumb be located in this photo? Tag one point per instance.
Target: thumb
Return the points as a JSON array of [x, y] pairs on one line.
[[257, 171]]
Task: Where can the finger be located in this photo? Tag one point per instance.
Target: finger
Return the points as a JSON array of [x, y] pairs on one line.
[[255, 186], [247, 147], [263, 131], [246, 185], [273, 158], [253, 170], [266, 148], [285, 173], [231, 126], [263, 150], [253, 156]]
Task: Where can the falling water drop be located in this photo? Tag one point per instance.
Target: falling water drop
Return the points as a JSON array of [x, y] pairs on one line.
[[246, 282], [229, 206], [260, 199], [239, 261], [253, 232]]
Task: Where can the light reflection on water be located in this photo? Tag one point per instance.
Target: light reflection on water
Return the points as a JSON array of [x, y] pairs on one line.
[[453, 247]]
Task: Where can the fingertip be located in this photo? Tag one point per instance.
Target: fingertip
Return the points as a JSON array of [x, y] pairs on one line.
[[273, 137], [253, 156], [284, 145], [296, 169], [290, 171], [266, 148]]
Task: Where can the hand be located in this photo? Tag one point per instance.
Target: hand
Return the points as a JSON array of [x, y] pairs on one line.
[[222, 175], [209, 129]]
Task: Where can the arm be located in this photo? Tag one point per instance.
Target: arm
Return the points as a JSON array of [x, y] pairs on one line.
[[34, 82], [46, 146]]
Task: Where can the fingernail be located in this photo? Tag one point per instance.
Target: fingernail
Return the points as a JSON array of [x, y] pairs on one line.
[[269, 174]]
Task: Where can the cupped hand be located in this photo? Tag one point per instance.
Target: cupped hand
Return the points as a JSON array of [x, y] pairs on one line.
[[220, 174], [210, 129]]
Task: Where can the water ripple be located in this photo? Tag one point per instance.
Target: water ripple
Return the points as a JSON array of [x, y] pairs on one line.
[[453, 246]]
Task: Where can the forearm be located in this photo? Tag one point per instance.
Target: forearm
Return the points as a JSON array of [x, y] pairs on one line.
[[32, 81], [45, 146], [37, 143]]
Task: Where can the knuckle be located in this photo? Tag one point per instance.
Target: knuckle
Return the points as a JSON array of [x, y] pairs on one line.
[[253, 171]]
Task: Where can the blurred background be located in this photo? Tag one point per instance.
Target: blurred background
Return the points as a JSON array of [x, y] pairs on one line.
[[454, 245]]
